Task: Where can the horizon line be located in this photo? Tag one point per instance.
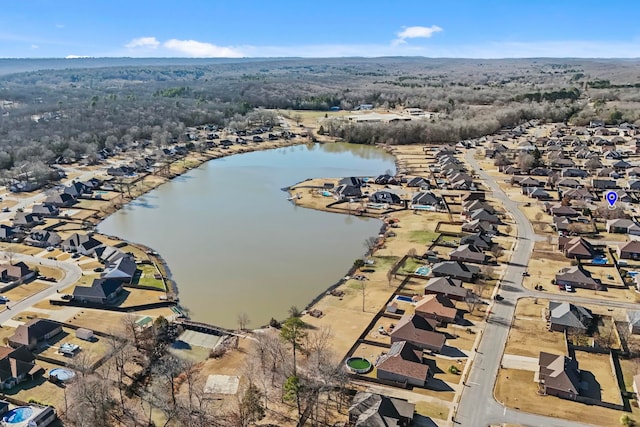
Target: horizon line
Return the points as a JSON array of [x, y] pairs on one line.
[[323, 57]]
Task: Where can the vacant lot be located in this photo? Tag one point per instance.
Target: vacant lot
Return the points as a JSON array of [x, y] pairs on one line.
[[522, 333], [516, 389]]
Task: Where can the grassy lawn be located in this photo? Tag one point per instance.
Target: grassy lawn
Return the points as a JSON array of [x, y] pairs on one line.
[[423, 237], [147, 277], [432, 410], [410, 266]]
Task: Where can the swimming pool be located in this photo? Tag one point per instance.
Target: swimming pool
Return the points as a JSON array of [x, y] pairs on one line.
[[62, 374], [403, 298], [18, 415], [423, 271], [632, 273], [600, 259], [326, 194]]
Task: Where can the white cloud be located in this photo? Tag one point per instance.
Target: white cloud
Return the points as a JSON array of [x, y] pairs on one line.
[[34, 46], [415, 32], [77, 57], [143, 42], [196, 49]]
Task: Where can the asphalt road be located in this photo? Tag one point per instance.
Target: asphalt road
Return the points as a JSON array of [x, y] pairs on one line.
[[72, 274], [478, 406]]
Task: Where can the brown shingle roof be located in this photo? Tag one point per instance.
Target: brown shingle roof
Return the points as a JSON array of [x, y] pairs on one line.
[[404, 359], [419, 330], [438, 305]]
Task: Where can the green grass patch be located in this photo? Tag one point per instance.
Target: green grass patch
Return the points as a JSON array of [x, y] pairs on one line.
[[410, 266], [445, 238], [383, 263], [147, 278], [424, 237]]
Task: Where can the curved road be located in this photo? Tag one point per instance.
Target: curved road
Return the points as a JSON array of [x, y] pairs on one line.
[[72, 274], [477, 405]]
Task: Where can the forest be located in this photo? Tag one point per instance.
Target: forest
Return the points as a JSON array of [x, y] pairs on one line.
[[72, 109]]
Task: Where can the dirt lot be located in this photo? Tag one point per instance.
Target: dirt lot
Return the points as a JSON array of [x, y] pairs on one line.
[[103, 321], [519, 341], [516, 389]]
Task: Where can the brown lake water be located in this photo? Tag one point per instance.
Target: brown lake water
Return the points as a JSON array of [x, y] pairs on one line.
[[233, 241]]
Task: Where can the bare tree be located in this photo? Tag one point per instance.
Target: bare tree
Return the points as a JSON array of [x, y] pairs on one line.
[[11, 252], [243, 321], [371, 244]]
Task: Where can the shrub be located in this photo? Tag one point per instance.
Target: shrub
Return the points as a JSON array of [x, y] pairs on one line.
[[454, 370]]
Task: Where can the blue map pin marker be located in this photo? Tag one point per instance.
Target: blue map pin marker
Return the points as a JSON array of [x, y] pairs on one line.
[[612, 198]]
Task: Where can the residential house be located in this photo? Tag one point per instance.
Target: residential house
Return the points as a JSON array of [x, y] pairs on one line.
[[529, 182], [536, 193], [425, 198], [568, 182], [45, 210], [77, 189], [540, 171], [16, 273], [420, 182], [623, 196], [383, 196], [576, 248], [371, 409], [451, 288], [621, 165], [483, 215], [633, 184], [562, 316], [60, 200], [472, 195], [419, 331], [560, 223], [456, 270], [562, 210], [577, 277], [42, 238], [101, 291], [34, 332], [574, 173], [579, 194], [403, 364], [558, 375], [479, 240], [6, 233], [478, 226], [437, 307], [473, 205], [26, 220], [629, 250], [345, 191], [352, 180], [624, 226], [83, 244], [109, 254], [468, 253], [16, 366], [123, 269], [604, 184]]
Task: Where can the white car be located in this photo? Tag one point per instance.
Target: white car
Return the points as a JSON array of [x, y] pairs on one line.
[[3, 299]]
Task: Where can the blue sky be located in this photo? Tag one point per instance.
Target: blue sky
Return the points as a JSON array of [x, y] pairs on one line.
[[253, 28]]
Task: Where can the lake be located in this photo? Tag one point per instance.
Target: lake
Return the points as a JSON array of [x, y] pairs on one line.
[[233, 241]]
